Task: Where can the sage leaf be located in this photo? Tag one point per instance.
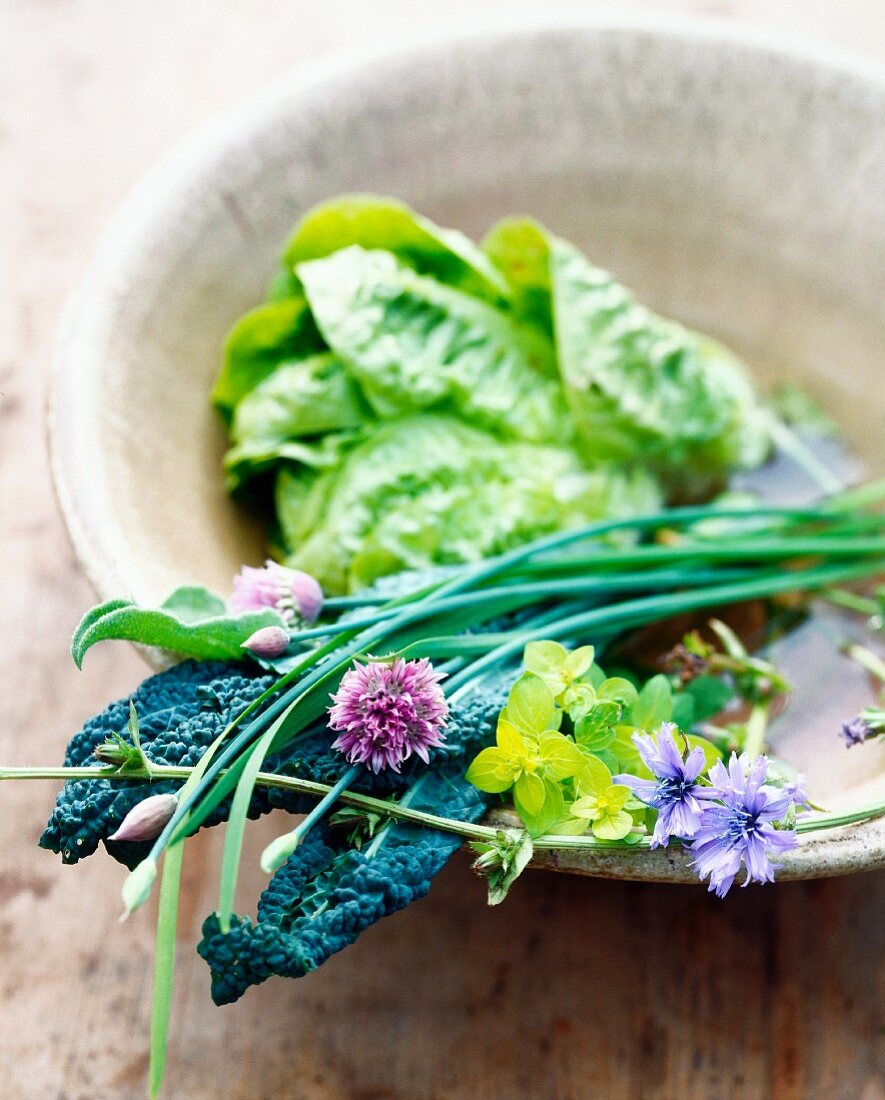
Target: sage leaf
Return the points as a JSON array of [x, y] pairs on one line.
[[192, 622]]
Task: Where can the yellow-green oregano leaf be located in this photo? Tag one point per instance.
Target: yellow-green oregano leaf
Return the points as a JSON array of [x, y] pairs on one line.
[[551, 811], [578, 662], [618, 690], [594, 777], [509, 740], [545, 659], [561, 758], [491, 772], [530, 705], [528, 793], [613, 826]]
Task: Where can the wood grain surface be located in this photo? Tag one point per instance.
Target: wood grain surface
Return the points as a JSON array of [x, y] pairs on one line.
[[572, 989]]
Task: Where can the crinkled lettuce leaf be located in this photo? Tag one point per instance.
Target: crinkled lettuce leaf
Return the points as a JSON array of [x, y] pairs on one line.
[[639, 387], [273, 333], [520, 249], [254, 457], [413, 343], [304, 398], [430, 489], [418, 400], [375, 222]]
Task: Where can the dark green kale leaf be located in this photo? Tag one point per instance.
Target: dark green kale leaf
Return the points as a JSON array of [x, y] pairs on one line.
[[181, 712], [327, 893]]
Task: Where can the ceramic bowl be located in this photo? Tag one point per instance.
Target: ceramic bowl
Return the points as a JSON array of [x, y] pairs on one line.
[[735, 184]]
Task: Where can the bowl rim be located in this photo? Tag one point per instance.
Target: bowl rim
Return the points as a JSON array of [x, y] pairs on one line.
[[88, 310]]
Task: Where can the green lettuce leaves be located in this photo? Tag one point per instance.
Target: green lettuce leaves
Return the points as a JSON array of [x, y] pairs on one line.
[[639, 387], [408, 398], [431, 489], [378, 223], [413, 343]]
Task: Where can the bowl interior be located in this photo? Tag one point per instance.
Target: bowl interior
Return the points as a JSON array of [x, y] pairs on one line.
[[735, 187]]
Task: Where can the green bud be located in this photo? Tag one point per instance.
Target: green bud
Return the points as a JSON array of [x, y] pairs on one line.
[[278, 851], [137, 887]]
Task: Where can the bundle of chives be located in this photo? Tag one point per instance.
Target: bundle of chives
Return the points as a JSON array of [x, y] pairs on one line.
[[578, 593]]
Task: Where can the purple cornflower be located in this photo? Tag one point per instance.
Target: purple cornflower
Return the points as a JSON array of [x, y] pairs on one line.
[[673, 792], [296, 595], [794, 789], [855, 731], [385, 712], [739, 829]]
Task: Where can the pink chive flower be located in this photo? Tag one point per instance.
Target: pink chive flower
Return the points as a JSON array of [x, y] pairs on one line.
[[385, 712], [296, 595]]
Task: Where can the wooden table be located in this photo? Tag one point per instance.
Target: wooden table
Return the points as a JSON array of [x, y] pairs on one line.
[[574, 988]]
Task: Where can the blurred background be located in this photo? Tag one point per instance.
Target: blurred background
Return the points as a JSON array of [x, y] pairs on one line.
[[92, 94]]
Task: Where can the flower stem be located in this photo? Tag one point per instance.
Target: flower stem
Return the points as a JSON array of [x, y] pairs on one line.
[[279, 850], [851, 601], [757, 727], [786, 439], [867, 660], [401, 810]]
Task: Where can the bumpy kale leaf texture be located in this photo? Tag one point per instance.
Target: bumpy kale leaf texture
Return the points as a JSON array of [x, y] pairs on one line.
[[328, 892]]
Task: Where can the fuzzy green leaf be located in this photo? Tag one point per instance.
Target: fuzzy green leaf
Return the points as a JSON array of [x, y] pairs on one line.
[[192, 622]]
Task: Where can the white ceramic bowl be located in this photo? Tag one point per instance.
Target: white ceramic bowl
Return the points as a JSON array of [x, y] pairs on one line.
[[735, 185]]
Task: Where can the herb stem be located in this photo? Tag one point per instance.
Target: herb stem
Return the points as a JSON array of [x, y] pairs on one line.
[[791, 444], [757, 727], [867, 660], [401, 810]]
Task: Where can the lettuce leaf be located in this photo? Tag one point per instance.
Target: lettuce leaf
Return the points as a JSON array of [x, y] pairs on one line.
[[520, 249], [254, 457], [265, 337], [639, 387], [414, 344], [308, 397], [430, 489], [375, 222]]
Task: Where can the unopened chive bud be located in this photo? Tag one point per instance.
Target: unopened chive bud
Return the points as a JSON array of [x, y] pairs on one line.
[[138, 884], [268, 642], [148, 819], [278, 851]]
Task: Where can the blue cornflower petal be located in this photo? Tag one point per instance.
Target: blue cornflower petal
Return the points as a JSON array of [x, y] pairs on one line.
[[739, 826], [673, 793]]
